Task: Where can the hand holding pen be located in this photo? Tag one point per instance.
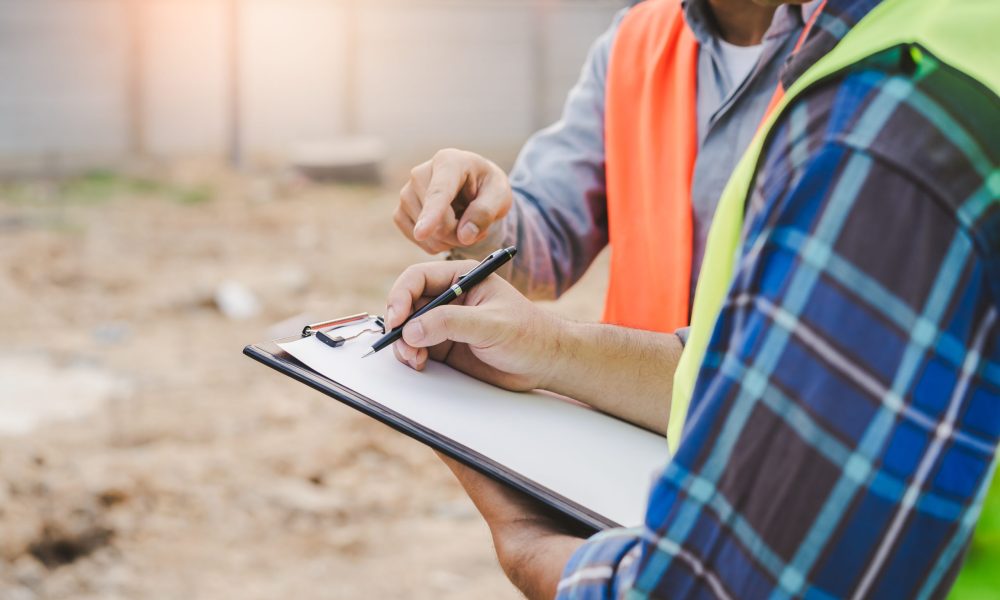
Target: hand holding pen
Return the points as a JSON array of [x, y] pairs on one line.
[[491, 332], [484, 269]]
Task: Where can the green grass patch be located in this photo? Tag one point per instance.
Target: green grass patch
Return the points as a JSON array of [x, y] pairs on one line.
[[97, 187], [101, 187]]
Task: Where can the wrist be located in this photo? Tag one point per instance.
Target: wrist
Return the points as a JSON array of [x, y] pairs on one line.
[[533, 556], [558, 335]]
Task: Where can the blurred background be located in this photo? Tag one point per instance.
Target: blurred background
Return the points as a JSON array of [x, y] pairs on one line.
[[92, 83], [179, 178]]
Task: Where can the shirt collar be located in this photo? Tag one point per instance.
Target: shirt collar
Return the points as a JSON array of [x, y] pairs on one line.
[[787, 18]]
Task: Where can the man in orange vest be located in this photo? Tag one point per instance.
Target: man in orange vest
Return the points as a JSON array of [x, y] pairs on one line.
[[639, 159]]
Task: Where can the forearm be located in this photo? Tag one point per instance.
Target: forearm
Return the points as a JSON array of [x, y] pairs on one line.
[[533, 557], [561, 236], [624, 372], [533, 548]]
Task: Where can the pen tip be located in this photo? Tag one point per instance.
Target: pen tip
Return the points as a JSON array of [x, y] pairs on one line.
[[369, 353]]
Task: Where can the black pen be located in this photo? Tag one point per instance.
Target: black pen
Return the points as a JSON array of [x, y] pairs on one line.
[[466, 282]]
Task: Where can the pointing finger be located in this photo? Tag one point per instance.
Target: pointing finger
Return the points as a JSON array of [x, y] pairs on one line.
[[446, 182]]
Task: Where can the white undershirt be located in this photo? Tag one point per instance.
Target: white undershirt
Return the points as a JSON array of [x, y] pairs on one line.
[[738, 61]]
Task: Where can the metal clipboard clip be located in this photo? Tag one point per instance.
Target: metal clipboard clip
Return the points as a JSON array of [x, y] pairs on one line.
[[323, 330]]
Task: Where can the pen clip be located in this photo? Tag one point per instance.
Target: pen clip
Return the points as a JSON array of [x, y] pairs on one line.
[[469, 272]]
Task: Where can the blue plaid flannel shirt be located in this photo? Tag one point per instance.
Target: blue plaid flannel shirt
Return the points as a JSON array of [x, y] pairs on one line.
[[844, 426]]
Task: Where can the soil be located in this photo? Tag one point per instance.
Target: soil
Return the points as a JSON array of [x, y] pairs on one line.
[[198, 473]]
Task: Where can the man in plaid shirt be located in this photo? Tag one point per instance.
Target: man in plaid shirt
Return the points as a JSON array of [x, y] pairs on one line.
[[843, 431]]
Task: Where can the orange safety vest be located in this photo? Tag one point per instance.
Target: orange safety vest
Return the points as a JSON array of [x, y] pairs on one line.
[[651, 143]]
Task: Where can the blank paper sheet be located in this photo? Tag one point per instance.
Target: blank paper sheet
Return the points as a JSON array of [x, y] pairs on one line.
[[597, 461]]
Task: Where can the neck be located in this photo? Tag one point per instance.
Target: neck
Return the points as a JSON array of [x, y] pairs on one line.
[[741, 22]]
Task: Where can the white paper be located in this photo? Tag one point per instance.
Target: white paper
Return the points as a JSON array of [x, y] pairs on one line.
[[599, 462]]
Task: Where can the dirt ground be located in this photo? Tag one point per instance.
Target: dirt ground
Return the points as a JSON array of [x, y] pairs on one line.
[[163, 463]]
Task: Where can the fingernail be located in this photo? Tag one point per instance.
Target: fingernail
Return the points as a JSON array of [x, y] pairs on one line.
[[470, 231], [420, 225], [415, 331], [390, 315]]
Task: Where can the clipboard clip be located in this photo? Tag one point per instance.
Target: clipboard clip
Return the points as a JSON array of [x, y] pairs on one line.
[[321, 330]]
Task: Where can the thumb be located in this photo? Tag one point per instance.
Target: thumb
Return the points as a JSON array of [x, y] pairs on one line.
[[490, 205], [463, 324]]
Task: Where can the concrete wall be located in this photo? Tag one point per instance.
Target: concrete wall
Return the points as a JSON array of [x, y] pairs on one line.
[[93, 81], [61, 78]]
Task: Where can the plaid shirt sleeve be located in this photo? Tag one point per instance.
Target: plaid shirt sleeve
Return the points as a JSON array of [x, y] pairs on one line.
[[844, 426]]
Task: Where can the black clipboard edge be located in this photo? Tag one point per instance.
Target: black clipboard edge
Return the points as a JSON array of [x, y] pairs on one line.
[[284, 363]]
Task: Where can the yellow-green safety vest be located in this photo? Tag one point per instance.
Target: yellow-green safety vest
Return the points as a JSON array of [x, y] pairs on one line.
[[965, 35]]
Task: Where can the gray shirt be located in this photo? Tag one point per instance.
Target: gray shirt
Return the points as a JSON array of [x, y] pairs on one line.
[[559, 217]]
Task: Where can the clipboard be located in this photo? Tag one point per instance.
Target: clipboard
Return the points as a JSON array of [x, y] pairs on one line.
[[273, 356]]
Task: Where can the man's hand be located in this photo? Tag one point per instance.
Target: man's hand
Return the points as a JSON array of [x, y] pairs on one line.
[[532, 546], [497, 335], [491, 331], [452, 200]]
